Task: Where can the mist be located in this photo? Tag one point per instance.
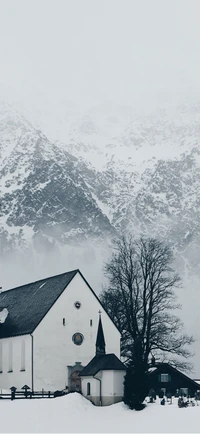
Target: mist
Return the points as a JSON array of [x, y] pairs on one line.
[[32, 264]]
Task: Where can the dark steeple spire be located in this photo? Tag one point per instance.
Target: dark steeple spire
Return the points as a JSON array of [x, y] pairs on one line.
[[100, 342]]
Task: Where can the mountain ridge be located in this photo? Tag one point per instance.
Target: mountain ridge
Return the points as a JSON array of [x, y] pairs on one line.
[[147, 181]]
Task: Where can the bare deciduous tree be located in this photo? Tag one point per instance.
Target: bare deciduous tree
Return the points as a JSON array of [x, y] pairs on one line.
[[141, 300]]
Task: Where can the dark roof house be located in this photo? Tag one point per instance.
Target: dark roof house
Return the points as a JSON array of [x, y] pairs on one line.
[[165, 377]]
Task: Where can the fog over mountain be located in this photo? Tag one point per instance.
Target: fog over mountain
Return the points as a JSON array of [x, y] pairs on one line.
[[99, 135]]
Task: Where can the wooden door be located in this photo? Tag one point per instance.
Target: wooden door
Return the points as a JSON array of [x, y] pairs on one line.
[[75, 382]]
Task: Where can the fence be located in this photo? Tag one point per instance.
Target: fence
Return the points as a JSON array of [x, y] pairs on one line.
[[30, 395]]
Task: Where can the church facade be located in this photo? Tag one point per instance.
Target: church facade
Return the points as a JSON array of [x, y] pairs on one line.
[[50, 333]]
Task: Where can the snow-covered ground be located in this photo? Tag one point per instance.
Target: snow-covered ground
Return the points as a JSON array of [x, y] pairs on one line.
[[73, 413]]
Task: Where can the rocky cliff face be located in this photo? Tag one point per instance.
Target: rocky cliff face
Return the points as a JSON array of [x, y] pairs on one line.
[[44, 191], [93, 184]]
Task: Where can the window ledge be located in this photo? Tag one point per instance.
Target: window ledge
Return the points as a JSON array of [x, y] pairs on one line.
[[1, 372], [10, 371], [22, 370]]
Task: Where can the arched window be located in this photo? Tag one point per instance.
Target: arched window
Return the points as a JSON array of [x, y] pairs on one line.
[[23, 367], [88, 389], [10, 357], [1, 357], [75, 382]]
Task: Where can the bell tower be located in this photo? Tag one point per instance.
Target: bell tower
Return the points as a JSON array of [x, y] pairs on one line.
[[100, 341]]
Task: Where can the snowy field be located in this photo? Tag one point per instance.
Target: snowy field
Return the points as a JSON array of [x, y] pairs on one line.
[[73, 413]]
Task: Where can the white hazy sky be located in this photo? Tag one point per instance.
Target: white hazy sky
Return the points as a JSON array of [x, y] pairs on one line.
[[97, 51]]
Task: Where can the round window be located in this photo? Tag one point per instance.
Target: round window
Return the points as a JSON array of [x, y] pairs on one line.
[[77, 338], [77, 304]]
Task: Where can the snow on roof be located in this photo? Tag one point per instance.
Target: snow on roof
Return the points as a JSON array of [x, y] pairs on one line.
[[3, 315], [152, 369]]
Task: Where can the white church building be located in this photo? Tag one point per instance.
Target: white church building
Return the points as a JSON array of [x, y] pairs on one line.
[[56, 335]]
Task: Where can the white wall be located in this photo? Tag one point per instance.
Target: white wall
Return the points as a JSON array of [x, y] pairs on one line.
[[112, 387], [17, 377], [94, 387], [53, 346], [119, 383], [107, 383]]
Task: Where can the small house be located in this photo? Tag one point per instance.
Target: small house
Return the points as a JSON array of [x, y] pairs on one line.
[[103, 377], [165, 378]]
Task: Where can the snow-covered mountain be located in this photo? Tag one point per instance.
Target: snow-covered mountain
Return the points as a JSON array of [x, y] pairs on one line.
[[44, 190], [102, 174]]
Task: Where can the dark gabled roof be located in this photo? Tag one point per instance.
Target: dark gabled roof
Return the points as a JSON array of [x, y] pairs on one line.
[[104, 362], [28, 304], [160, 366]]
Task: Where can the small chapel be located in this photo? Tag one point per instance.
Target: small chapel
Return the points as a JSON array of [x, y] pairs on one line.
[[56, 335]]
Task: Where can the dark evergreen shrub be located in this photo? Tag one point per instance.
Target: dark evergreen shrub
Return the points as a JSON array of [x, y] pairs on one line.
[[135, 387]]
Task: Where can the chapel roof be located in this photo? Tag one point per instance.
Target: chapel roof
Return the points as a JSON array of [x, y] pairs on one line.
[[104, 362], [28, 304]]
